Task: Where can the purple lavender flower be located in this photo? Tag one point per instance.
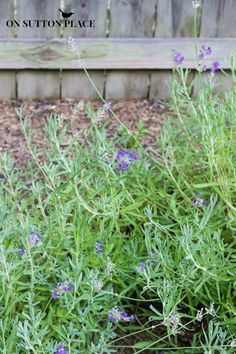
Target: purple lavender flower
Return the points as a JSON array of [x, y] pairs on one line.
[[124, 158], [116, 315], [198, 202], [61, 288], [178, 58], [205, 51], [215, 66], [61, 350], [122, 166], [203, 67], [127, 318], [34, 239], [121, 153], [99, 248], [131, 156], [142, 266], [22, 251]]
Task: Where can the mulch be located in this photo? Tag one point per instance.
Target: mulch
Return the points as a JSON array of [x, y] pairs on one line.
[[130, 112]]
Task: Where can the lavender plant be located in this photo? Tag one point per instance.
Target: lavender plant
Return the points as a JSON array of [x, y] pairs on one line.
[[100, 253]]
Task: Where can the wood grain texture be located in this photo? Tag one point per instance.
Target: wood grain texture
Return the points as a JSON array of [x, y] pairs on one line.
[[210, 18], [126, 84], [218, 18], [164, 24], [6, 13], [90, 10], [40, 84], [8, 84], [140, 53], [183, 18], [159, 79], [222, 83], [40, 10], [7, 77], [75, 84], [159, 84], [132, 18], [36, 83], [227, 19]]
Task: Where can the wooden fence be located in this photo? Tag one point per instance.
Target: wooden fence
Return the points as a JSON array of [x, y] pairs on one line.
[[128, 52]]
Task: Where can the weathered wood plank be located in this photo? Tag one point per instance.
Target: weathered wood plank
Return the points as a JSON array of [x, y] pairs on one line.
[[36, 84], [183, 18], [218, 18], [227, 20], [159, 79], [210, 18], [122, 84], [6, 13], [75, 84], [222, 83], [160, 88], [159, 84], [40, 84], [132, 18], [7, 78], [95, 10], [164, 23], [8, 84], [39, 10], [147, 53]]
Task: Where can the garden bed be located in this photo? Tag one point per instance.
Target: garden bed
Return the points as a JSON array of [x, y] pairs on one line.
[[113, 242], [131, 112]]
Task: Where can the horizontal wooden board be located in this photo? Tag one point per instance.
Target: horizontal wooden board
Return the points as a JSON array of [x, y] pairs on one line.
[[126, 84], [38, 84], [75, 84], [8, 84], [111, 53]]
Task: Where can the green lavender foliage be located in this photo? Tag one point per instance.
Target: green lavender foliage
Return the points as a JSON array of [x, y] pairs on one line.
[[142, 215]]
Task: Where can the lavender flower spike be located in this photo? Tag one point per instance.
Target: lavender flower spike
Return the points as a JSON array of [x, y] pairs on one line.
[[22, 251], [142, 266], [117, 315], [99, 248], [198, 202], [178, 58], [215, 67], [62, 287], [205, 51], [34, 239], [125, 158], [61, 350]]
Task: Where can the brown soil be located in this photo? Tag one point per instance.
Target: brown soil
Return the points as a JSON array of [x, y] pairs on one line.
[[129, 112]]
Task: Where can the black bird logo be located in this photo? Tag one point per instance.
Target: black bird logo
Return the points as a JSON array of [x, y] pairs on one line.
[[66, 14]]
